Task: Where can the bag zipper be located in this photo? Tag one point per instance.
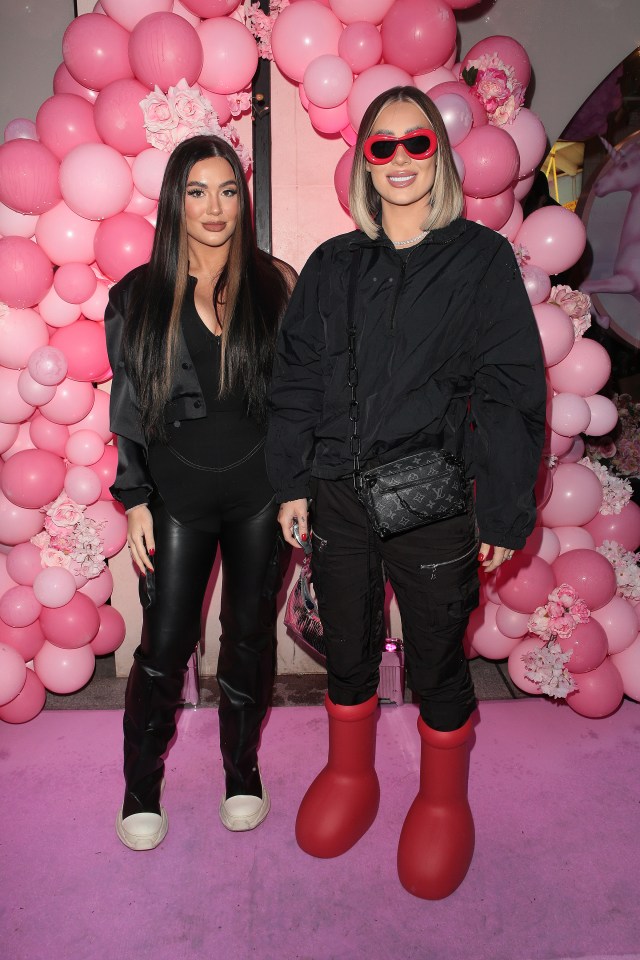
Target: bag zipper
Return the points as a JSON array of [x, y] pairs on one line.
[[444, 563]]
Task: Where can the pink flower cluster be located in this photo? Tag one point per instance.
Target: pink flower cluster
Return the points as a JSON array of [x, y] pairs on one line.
[[626, 565], [70, 539], [182, 113], [260, 24], [616, 492], [496, 86], [560, 615], [521, 254], [575, 304], [546, 668], [239, 103]]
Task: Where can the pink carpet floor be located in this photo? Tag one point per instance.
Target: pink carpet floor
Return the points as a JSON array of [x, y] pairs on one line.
[[556, 873]]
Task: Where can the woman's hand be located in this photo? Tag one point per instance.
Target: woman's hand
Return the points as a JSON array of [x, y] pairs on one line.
[[499, 555], [290, 511], [140, 537]]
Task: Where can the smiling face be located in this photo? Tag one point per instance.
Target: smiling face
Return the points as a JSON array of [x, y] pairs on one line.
[[211, 204], [404, 181]]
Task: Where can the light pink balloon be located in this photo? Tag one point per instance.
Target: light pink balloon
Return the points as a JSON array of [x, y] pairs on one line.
[[544, 543], [302, 32], [516, 666], [141, 205], [584, 371], [99, 588], [493, 212], [461, 90], [23, 563], [95, 181], [604, 415], [98, 417], [16, 523], [122, 243], [230, 54], [491, 161], [114, 534], [352, 11], [418, 35], [509, 50], [589, 573], [556, 332], [95, 51], [71, 625], [360, 45], [82, 484], [618, 620], [330, 119], [458, 163], [54, 587], [28, 703], [484, 635], [555, 238], [26, 640], [47, 366], [623, 527], [627, 662], [510, 623], [25, 272], [95, 306], [148, 170], [525, 582], [23, 442], [128, 14], [574, 538], [64, 670], [65, 236], [75, 282], [599, 692], [13, 674], [57, 312], [164, 49], [32, 478], [369, 84], [457, 118], [72, 402], [342, 176], [63, 82], [530, 139], [84, 447], [106, 468], [14, 408], [64, 121], [20, 129], [39, 190], [427, 81], [536, 281], [576, 497], [575, 452], [569, 414], [327, 81], [118, 116], [111, 632], [8, 435], [556, 444], [19, 606], [21, 332], [47, 435], [15, 224], [588, 646]]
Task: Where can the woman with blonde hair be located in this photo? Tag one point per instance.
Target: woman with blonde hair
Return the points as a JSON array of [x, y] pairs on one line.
[[409, 340]]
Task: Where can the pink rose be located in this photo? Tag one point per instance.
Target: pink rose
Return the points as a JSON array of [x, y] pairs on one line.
[[161, 140], [158, 114], [41, 539], [189, 107], [555, 609], [562, 626], [66, 513], [54, 558], [492, 85], [564, 594], [505, 113], [63, 539], [580, 612], [573, 302]]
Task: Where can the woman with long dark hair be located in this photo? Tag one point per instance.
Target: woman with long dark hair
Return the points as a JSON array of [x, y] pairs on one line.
[[191, 337], [410, 341]]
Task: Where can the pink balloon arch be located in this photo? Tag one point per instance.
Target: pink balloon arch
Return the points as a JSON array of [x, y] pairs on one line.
[[84, 217]]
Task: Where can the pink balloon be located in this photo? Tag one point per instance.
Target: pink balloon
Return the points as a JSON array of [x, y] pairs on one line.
[[72, 625], [83, 344], [32, 193], [584, 371], [623, 527], [54, 587], [627, 663], [369, 84], [493, 212], [16, 224], [491, 161], [26, 640], [114, 533], [556, 332], [588, 645], [32, 478], [118, 115], [141, 205], [163, 49], [95, 306], [14, 408], [543, 485], [84, 447], [128, 14], [604, 415], [543, 543], [8, 435], [95, 181], [342, 176], [13, 674], [25, 272], [28, 703], [569, 414], [20, 129], [56, 312], [576, 497], [574, 538], [555, 238], [23, 442], [525, 582], [589, 573], [523, 186], [19, 606], [122, 243], [509, 50], [21, 332], [219, 102], [510, 623], [349, 135], [72, 402], [64, 670], [46, 435], [111, 632], [352, 11], [599, 692], [16, 523], [516, 667], [327, 81], [64, 121], [462, 4], [6, 581], [457, 118], [65, 236], [23, 563], [82, 484], [329, 119], [211, 8], [230, 54], [75, 282], [618, 620], [418, 35], [360, 45], [557, 445], [105, 469], [509, 230], [97, 419], [531, 140], [427, 81], [47, 366], [148, 170], [99, 588], [484, 635], [460, 89], [575, 452], [63, 82], [302, 32], [95, 51]]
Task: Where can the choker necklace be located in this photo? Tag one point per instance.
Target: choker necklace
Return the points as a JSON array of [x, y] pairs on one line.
[[405, 243]]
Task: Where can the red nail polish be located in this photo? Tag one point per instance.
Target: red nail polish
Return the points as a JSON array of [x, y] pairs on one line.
[[481, 557], [303, 536], [152, 551]]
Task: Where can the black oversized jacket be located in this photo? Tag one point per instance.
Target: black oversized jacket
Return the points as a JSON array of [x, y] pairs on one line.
[[447, 345]]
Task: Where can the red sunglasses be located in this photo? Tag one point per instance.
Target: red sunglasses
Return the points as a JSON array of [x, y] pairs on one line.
[[419, 144]]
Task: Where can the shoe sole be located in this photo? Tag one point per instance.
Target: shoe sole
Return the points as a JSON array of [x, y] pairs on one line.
[[142, 843], [242, 824]]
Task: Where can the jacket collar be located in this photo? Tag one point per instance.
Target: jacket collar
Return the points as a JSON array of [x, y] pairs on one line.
[[441, 235]]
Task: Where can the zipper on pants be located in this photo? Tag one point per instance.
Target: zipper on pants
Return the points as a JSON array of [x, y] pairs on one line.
[[445, 563]]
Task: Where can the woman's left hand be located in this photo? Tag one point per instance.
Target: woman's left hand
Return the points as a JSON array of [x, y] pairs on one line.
[[492, 560]]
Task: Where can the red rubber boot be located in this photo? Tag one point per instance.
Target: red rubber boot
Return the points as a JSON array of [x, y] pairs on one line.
[[437, 838], [342, 802]]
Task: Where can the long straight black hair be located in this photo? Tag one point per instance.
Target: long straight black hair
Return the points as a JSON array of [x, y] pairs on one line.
[[252, 286]]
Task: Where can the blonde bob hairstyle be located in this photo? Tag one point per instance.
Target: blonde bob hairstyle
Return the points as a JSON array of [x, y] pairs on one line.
[[447, 200]]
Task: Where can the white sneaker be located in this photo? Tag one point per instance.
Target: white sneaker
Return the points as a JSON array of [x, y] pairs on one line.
[[142, 831], [244, 812]]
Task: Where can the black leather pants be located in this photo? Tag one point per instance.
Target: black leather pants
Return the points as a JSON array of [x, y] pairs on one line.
[[254, 559]]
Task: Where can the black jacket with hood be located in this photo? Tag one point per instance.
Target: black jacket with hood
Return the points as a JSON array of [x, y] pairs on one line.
[[447, 347]]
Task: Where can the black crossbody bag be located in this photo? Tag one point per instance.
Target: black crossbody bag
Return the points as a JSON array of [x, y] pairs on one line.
[[410, 492]]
